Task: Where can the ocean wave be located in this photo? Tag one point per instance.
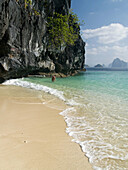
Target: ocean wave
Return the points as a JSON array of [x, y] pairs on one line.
[[26, 84], [92, 143], [39, 87]]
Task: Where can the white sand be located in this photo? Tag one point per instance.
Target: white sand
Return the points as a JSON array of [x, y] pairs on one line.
[[32, 136]]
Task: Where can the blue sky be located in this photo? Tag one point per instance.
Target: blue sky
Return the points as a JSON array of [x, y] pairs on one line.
[[105, 30]]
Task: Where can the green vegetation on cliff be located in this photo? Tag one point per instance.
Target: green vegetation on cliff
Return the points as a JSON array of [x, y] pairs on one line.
[[28, 3], [63, 29]]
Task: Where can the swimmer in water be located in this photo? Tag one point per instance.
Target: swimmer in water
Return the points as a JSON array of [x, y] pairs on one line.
[[53, 78]]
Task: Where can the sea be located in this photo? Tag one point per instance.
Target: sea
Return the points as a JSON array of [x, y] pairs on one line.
[[97, 113]]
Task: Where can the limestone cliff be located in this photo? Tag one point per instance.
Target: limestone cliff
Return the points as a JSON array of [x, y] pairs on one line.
[[23, 40]]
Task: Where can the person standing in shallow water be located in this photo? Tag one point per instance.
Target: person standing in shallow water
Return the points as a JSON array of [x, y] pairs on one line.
[[53, 78]]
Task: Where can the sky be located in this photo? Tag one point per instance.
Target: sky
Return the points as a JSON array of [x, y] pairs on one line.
[[105, 30]]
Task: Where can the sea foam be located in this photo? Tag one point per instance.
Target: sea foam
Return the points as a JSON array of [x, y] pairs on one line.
[[26, 84]]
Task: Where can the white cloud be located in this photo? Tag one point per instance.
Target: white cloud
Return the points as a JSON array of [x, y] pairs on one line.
[[106, 43], [120, 51], [92, 51], [117, 50], [106, 54], [107, 34], [92, 13]]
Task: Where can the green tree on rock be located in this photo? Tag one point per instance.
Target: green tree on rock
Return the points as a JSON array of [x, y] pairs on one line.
[[63, 29]]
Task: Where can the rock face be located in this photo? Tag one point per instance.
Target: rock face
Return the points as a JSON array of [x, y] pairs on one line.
[[23, 40]]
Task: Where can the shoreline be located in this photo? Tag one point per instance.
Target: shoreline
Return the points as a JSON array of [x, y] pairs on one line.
[[33, 133]]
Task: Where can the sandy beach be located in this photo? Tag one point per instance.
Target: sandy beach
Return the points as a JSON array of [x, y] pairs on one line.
[[32, 133]]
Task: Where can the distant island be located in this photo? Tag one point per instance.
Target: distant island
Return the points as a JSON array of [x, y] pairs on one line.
[[98, 66], [116, 65]]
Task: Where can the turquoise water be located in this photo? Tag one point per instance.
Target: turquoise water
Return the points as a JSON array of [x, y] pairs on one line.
[[113, 83], [98, 115]]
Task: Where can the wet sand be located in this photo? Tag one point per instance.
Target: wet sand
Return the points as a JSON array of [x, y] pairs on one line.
[[32, 134]]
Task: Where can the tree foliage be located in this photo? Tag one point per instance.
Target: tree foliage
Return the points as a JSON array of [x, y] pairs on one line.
[[28, 3], [63, 29]]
